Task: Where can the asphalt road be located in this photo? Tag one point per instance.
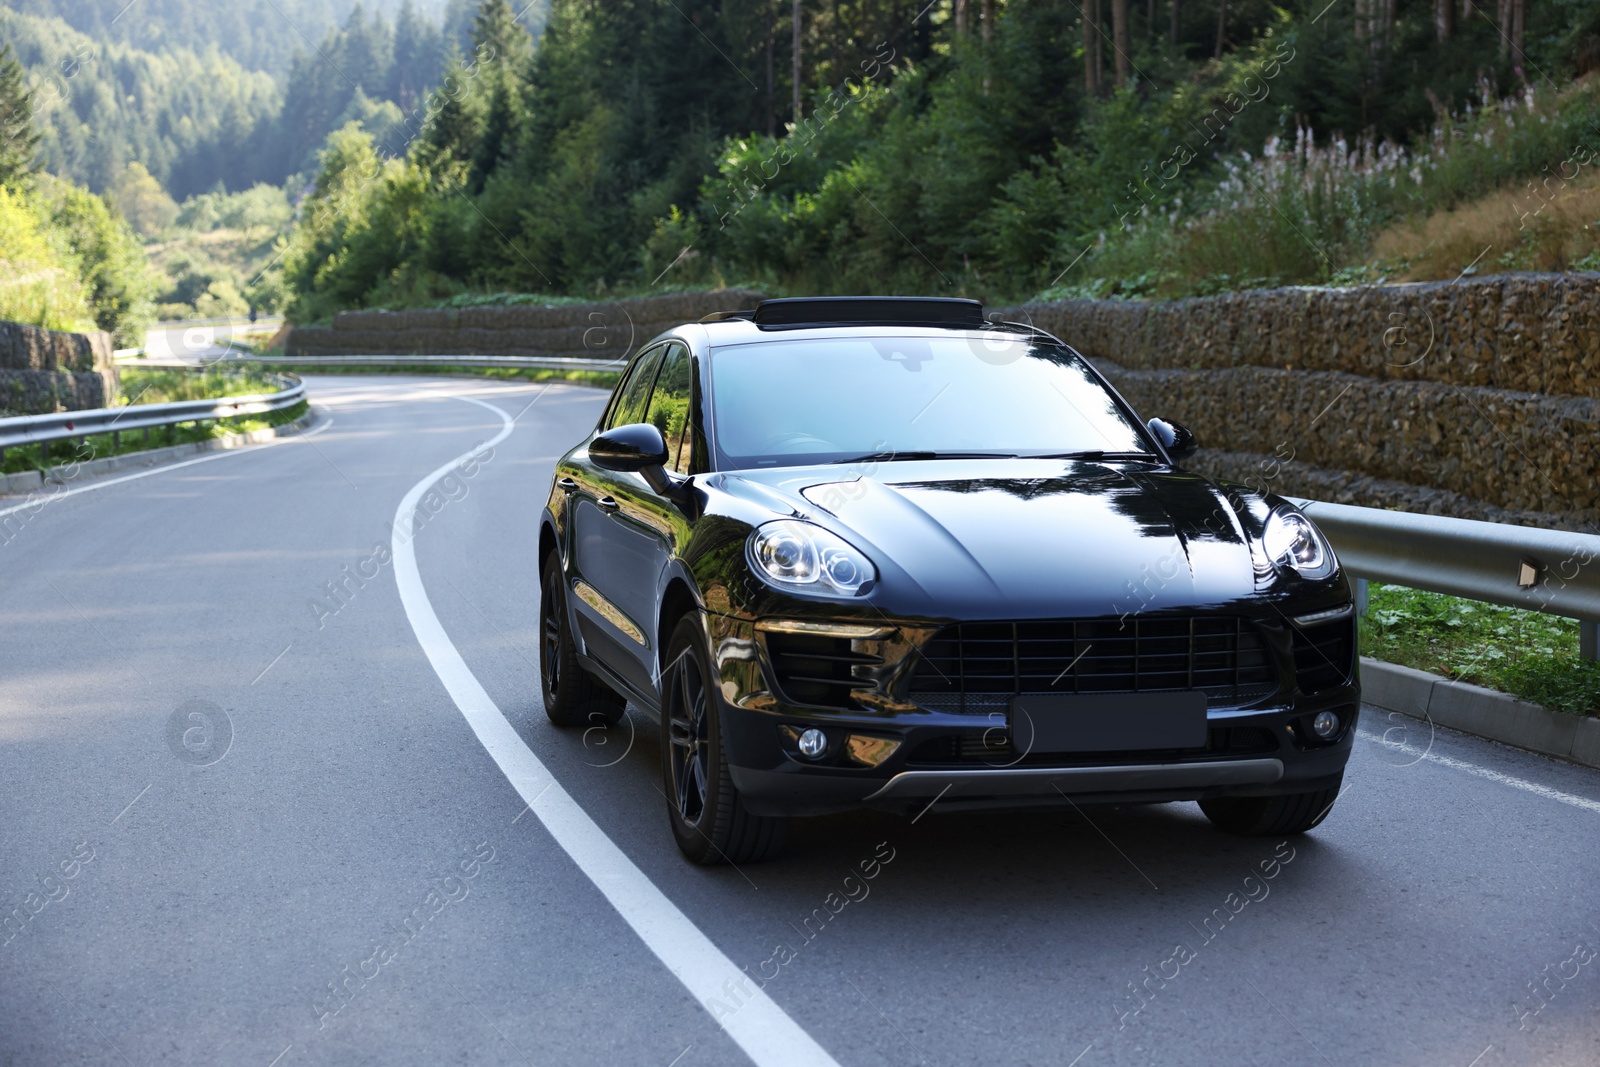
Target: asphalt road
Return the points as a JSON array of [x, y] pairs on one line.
[[242, 828], [199, 344]]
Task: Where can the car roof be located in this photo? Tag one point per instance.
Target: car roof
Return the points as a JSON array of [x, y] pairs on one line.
[[834, 317]]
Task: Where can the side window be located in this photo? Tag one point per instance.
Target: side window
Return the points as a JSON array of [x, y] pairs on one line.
[[669, 407], [635, 391]]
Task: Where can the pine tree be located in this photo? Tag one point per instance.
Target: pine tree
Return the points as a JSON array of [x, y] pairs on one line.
[[418, 57], [365, 51], [497, 33], [19, 140]]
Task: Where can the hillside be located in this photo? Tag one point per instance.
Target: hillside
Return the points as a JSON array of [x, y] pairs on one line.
[[203, 93], [188, 117], [996, 149], [261, 35]]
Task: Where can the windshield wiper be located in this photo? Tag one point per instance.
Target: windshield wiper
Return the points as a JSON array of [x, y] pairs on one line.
[[1095, 454], [887, 457]]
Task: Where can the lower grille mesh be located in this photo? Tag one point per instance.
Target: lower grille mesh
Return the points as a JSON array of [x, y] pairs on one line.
[[975, 668]]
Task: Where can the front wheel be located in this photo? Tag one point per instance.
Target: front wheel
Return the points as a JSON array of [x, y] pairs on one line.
[[708, 819], [572, 696], [1292, 813]]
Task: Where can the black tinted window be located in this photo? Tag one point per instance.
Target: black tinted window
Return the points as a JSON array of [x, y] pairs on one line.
[[635, 391], [669, 407], [819, 400]]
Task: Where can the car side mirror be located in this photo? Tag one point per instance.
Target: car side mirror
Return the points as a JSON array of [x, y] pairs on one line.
[[637, 448], [1175, 437]]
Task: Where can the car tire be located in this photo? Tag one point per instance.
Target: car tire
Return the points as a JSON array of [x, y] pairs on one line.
[[572, 696], [1292, 813], [709, 820]]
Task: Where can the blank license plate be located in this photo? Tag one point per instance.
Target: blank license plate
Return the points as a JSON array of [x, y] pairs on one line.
[[1107, 722]]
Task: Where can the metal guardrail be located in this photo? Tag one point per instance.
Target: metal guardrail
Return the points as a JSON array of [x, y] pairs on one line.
[[1541, 570], [516, 362], [70, 425], [510, 362]]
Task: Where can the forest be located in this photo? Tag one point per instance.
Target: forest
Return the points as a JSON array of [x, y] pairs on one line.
[[463, 151], [997, 148], [199, 124], [203, 94]]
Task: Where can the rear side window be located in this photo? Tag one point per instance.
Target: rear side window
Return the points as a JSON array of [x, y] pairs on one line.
[[635, 391], [669, 407]]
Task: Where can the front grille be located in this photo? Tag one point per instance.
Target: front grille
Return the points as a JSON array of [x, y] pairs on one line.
[[976, 668], [816, 669], [1324, 655], [993, 748]]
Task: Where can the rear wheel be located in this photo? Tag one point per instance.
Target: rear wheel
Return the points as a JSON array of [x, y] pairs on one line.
[[1292, 813], [708, 818], [572, 696]]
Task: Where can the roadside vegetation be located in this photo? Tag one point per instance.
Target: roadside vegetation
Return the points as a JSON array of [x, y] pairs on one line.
[[1526, 653], [159, 385], [1002, 150]]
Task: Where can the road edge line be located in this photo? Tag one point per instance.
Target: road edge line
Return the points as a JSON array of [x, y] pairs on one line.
[[754, 1021], [44, 497]]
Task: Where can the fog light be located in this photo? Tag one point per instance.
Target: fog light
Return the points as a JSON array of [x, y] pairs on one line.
[[1325, 725], [813, 743]]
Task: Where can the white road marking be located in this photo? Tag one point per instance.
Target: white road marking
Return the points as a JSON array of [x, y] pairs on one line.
[[39, 504], [761, 1028], [1484, 772]]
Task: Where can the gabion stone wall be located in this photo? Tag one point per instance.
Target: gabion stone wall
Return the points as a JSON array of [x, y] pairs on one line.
[[601, 331], [42, 371], [1478, 398]]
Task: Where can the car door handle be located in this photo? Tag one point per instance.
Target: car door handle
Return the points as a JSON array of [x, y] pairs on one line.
[[567, 484], [608, 503]]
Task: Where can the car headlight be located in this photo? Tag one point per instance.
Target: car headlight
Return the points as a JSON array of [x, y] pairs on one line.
[[796, 555], [1291, 541]]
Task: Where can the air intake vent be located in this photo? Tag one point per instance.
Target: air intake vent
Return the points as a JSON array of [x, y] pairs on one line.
[[1325, 654], [975, 668], [817, 669]]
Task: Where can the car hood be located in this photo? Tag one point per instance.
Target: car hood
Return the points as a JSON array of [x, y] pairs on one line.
[[1027, 538]]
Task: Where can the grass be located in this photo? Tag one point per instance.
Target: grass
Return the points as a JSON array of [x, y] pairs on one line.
[[101, 446], [1513, 229], [1510, 181], [1525, 653], [156, 385]]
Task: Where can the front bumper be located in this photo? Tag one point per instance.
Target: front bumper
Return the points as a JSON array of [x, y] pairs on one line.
[[938, 756]]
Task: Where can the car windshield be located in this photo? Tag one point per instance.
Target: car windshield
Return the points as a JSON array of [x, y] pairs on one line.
[[830, 400]]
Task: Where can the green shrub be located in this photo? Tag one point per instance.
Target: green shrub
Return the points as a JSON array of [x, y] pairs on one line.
[[40, 277]]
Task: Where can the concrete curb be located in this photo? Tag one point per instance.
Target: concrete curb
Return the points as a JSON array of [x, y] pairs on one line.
[[1483, 712], [33, 481]]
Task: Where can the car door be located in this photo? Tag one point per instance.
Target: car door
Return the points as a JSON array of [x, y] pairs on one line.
[[613, 557], [645, 525]]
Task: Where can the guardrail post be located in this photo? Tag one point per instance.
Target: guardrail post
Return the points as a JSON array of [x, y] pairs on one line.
[[1361, 596], [1589, 639]]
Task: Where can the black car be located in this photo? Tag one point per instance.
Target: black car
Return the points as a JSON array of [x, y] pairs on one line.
[[881, 552]]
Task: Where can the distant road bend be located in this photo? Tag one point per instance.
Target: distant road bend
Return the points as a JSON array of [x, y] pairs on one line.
[[279, 791]]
